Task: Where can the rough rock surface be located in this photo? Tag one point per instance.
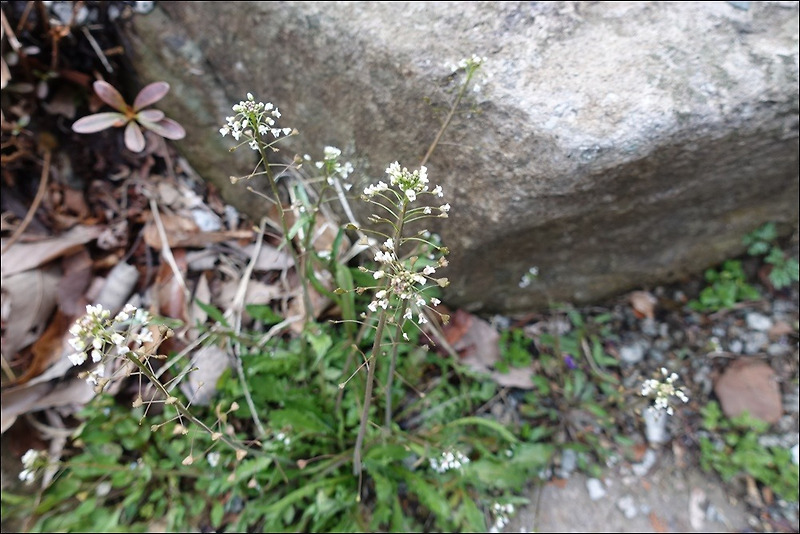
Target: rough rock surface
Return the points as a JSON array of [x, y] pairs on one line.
[[617, 144]]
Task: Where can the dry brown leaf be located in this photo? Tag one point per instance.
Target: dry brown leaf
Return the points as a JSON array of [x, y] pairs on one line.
[[476, 342], [780, 329], [24, 256], [269, 258], [40, 396], [117, 287], [750, 386], [49, 348], [643, 303], [29, 299], [200, 385], [183, 232], [169, 298], [72, 287], [658, 524]]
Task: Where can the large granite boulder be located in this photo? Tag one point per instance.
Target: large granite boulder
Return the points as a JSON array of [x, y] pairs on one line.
[[618, 144]]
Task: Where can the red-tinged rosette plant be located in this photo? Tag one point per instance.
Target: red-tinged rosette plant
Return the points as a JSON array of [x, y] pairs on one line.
[[132, 117]]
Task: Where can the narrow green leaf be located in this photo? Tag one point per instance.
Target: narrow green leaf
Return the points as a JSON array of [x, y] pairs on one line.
[[486, 423], [212, 312]]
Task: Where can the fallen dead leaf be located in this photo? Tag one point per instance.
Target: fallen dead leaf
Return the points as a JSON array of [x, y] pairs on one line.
[[33, 398], [183, 232], [643, 304], [29, 299], [24, 256], [476, 342], [779, 329], [749, 386], [201, 384], [47, 349], [658, 524], [77, 269]]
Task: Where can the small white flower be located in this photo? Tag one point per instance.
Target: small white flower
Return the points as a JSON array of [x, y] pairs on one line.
[[377, 275], [445, 208], [407, 314], [77, 358], [435, 301], [428, 270], [411, 194], [438, 191], [213, 458]]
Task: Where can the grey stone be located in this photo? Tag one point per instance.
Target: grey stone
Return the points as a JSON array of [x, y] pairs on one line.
[[569, 461], [736, 345], [627, 506], [643, 467], [754, 342], [632, 352], [615, 144], [595, 488], [758, 321]]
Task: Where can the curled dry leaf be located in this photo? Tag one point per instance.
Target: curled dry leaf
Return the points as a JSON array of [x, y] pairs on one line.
[[643, 304]]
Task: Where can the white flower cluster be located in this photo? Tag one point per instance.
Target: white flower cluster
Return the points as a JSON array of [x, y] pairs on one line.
[[410, 185], [330, 161], [471, 62], [404, 283], [502, 513], [449, 460], [101, 336], [251, 117], [529, 277], [283, 438], [662, 392], [29, 460]]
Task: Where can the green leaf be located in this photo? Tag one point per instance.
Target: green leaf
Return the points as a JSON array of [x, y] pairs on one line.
[[490, 424], [263, 313], [473, 517], [301, 421], [217, 513], [429, 496], [347, 300], [212, 312]]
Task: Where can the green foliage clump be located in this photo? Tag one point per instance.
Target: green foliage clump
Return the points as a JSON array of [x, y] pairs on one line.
[[763, 242], [738, 451], [727, 286]]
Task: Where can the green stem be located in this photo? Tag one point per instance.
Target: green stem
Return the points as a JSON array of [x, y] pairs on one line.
[[392, 365], [449, 118], [362, 428]]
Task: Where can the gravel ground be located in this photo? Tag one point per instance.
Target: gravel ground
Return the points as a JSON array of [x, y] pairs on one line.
[[666, 490]]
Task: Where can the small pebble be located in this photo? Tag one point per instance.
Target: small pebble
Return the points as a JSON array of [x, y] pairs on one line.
[[569, 461], [736, 345], [647, 462], [758, 321], [627, 506], [754, 342], [632, 352], [595, 488]]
